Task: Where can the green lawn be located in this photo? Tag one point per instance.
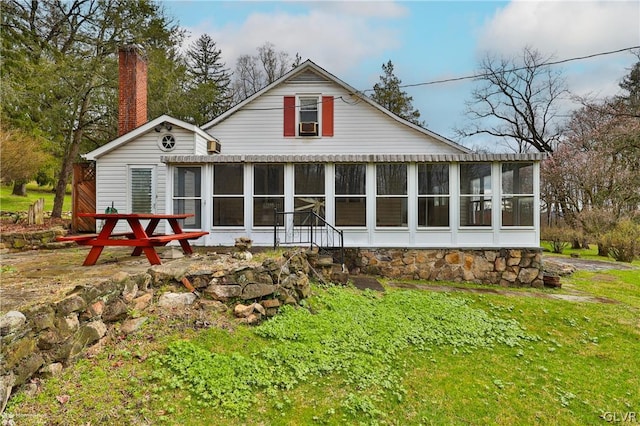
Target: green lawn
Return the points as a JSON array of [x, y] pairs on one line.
[[15, 203], [405, 357]]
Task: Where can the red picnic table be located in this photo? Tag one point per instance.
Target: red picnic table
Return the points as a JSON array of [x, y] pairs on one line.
[[141, 238]]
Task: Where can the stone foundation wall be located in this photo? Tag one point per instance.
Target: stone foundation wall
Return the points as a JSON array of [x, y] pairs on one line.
[[505, 267]]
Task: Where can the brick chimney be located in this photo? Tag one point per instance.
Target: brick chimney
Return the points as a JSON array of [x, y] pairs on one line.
[[132, 83]]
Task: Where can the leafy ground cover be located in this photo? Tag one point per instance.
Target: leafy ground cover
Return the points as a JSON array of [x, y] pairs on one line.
[[405, 357]]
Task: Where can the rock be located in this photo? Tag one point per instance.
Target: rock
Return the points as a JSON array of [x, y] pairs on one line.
[[51, 370], [527, 275], [251, 319], [132, 325], [259, 308], [452, 258], [242, 255], [27, 368], [256, 290], [87, 335], [243, 311], [11, 322], [70, 304], [141, 303], [130, 291], [243, 243], [223, 292], [166, 273], [6, 384], [115, 311], [270, 303], [500, 264], [557, 267], [176, 300], [213, 305], [94, 310]]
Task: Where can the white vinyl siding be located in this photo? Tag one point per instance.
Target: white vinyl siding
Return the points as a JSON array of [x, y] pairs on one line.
[[358, 127]]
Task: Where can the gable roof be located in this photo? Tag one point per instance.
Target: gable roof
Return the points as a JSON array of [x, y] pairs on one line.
[[127, 137], [308, 67]]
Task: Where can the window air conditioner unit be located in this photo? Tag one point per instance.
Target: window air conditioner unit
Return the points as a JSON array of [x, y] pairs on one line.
[[213, 147], [309, 129]]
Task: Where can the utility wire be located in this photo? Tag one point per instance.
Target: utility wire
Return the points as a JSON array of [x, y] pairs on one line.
[[467, 77]]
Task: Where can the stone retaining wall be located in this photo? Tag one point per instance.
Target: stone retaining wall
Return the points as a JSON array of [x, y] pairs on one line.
[[40, 340], [506, 267], [32, 240]]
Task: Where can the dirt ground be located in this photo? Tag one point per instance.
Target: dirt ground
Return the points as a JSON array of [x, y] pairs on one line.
[[32, 277], [36, 276]]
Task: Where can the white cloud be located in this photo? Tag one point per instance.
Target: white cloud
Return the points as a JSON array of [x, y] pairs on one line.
[[568, 29], [564, 28], [335, 35]]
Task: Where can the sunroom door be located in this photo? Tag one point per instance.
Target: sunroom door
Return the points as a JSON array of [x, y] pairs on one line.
[[187, 195]]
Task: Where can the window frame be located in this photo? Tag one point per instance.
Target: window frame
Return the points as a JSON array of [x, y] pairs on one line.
[[403, 197], [254, 197], [152, 168], [428, 196], [236, 196], [351, 195], [517, 195], [199, 201], [318, 111], [484, 196], [309, 195]]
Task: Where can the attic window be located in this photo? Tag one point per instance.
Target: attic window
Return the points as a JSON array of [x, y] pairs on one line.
[[308, 120], [167, 142]]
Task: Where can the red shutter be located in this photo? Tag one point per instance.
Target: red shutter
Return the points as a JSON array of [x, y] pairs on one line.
[[327, 116], [289, 115]]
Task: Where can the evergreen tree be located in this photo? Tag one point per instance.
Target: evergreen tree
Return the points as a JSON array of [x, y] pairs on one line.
[[389, 94], [209, 85]]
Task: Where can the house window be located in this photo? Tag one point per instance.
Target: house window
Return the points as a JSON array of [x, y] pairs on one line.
[[433, 195], [391, 195], [309, 192], [141, 190], [228, 195], [187, 194], [351, 195], [475, 194], [268, 193], [517, 194], [308, 118]]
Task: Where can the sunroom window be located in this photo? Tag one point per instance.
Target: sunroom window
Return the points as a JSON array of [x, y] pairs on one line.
[[268, 193], [475, 194], [517, 194], [391, 195], [433, 195], [309, 194], [351, 195], [228, 195]]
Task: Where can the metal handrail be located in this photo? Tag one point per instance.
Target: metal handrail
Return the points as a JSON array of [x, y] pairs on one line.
[[319, 233]]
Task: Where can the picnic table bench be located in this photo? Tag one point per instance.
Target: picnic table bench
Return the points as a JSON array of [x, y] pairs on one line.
[[141, 238]]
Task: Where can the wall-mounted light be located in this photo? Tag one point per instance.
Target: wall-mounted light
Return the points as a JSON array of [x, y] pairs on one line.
[[165, 125]]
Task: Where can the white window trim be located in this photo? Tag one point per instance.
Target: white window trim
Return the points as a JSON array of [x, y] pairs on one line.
[[213, 196], [376, 196], [154, 195], [533, 195], [318, 96], [418, 196]]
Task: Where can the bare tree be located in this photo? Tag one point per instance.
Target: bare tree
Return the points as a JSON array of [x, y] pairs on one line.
[[519, 95], [254, 72]]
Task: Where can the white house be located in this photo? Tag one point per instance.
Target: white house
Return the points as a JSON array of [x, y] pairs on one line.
[[310, 142]]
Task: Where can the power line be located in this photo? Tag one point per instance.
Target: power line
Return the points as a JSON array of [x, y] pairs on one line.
[[467, 77], [475, 76]]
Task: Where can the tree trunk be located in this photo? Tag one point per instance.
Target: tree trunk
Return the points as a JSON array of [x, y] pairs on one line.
[[20, 188], [68, 160], [603, 250]]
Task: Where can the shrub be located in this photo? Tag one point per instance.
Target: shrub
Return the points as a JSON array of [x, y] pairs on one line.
[[624, 241], [559, 236]]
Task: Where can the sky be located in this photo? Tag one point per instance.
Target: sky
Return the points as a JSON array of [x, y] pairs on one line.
[[427, 41]]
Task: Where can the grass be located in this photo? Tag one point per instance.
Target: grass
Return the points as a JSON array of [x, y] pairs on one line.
[[406, 357], [590, 254], [16, 203]]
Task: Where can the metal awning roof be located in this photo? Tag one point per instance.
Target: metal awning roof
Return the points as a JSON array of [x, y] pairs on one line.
[[349, 158]]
